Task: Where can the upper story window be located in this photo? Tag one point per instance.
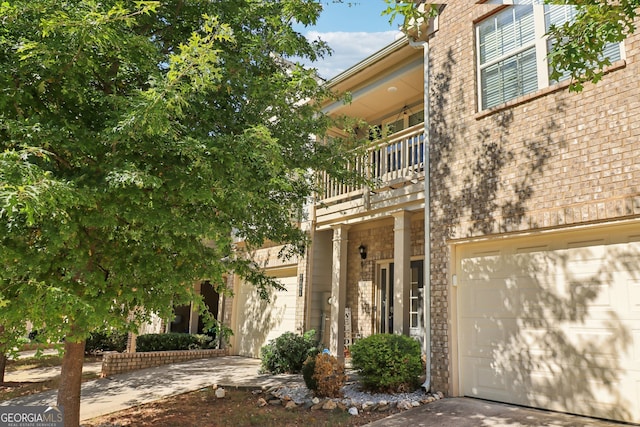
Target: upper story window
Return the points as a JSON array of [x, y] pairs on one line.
[[403, 120], [512, 50]]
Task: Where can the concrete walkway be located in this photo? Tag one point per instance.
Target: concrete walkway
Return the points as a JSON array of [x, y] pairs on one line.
[[43, 374]]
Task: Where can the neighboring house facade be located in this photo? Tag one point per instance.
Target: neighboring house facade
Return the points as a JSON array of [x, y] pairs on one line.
[[363, 217], [527, 249], [255, 321], [367, 257]]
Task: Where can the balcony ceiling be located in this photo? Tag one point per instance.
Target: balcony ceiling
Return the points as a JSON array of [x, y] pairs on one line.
[[381, 88]]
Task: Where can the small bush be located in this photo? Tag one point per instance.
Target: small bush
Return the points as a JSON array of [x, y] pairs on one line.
[[324, 375], [287, 353], [172, 341], [106, 340], [386, 362], [308, 369]]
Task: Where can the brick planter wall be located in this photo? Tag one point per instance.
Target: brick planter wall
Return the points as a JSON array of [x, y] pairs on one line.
[[117, 363]]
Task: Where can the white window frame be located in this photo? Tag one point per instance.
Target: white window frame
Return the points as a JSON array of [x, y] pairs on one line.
[[403, 116], [539, 44]]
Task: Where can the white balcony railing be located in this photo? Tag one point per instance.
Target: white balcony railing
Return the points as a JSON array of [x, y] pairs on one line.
[[387, 162]]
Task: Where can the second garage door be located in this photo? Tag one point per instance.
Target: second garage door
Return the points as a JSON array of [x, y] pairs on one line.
[[553, 322], [258, 321]]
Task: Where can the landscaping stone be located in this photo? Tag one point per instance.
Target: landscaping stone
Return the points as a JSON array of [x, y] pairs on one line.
[[353, 397], [353, 411], [329, 405], [290, 404], [404, 405]]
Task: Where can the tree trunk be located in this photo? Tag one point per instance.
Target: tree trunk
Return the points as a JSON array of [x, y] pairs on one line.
[[3, 356], [70, 382], [3, 365]]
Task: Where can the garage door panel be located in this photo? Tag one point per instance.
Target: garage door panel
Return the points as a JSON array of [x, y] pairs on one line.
[[633, 299], [482, 265], [483, 336], [486, 383], [285, 301], [635, 349], [509, 297], [259, 321], [490, 298], [598, 297], [553, 324]]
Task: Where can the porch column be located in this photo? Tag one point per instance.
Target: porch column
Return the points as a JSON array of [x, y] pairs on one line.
[[402, 272], [338, 290]]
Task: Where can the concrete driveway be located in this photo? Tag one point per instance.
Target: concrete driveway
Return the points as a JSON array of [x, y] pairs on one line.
[[466, 412]]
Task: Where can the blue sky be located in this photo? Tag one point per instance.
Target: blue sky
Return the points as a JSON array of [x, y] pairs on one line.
[[354, 29]]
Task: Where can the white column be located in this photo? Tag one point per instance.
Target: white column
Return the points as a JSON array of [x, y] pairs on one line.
[[402, 272], [338, 290]]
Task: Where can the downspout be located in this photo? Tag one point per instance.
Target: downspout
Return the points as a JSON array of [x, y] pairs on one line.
[[426, 303]]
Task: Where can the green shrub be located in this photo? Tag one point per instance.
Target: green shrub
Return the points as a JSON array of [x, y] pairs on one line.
[[220, 334], [324, 375], [308, 369], [287, 353], [106, 340], [172, 341], [387, 362]]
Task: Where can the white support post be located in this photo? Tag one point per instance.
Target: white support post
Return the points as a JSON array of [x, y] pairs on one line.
[[338, 290], [402, 272]]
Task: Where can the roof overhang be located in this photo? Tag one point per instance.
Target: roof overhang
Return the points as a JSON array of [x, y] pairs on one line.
[[385, 81]]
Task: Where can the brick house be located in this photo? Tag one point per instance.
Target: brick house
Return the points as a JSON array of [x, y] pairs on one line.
[[535, 217], [530, 263]]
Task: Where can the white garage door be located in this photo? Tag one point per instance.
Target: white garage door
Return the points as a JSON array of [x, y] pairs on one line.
[[553, 322], [258, 321]]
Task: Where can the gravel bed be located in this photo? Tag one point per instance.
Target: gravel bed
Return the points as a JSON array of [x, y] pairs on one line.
[[354, 396]]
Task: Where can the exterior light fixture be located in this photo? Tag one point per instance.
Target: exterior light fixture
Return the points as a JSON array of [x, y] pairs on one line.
[[363, 251]]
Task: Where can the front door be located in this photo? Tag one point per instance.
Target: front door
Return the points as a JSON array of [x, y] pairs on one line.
[[385, 298], [416, 311]]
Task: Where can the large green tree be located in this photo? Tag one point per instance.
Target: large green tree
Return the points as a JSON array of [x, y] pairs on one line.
[[139, 141], [578, 44]]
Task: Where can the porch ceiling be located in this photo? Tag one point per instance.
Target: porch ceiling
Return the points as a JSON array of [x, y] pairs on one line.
[[383, 87]]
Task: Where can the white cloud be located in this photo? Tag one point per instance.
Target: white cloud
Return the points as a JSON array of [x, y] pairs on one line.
[[349, 48]]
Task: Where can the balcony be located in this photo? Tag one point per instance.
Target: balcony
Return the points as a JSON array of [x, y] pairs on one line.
[[390, 163]]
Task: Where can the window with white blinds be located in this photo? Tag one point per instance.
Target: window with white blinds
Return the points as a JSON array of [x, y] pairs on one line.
[[558, 15], [512, 49]]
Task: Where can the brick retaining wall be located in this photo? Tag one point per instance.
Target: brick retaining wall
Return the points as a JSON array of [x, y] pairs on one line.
[[117, 363]]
